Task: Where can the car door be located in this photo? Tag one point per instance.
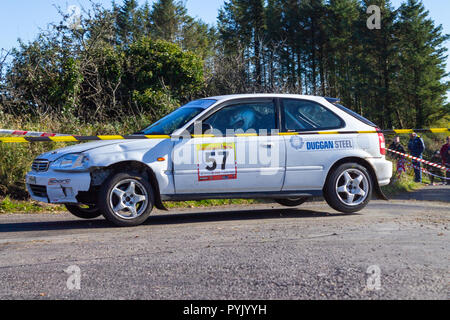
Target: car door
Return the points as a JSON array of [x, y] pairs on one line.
[[308, 157], [241, 155]]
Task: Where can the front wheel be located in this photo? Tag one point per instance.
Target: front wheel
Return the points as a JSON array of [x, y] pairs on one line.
[[290, 202], [349, 188], [90, 212], [126, 199]]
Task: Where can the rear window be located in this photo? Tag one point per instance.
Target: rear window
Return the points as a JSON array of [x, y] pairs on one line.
[[304, 115], [356, 115]]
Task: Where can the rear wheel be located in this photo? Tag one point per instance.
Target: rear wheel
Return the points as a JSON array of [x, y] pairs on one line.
[[291, 202], [126, 199], [87, 212], [349, 188]]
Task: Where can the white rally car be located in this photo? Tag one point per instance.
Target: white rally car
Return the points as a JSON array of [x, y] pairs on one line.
[[283, 147]]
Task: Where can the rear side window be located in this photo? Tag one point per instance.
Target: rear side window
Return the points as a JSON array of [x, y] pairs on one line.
[[303, 115], [356, 115]]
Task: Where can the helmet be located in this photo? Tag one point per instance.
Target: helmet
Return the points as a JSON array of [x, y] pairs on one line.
[[243, 119]]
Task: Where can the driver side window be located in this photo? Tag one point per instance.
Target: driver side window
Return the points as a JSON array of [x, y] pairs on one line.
[[245, 117]]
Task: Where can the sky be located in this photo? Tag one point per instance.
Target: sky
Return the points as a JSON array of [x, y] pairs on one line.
[[24, 18]]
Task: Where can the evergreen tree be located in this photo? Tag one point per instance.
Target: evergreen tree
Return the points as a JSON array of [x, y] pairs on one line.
[[168, 17], [422, 65], [127, 21]]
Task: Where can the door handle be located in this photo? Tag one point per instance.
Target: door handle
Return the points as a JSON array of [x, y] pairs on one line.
[[267, 145]]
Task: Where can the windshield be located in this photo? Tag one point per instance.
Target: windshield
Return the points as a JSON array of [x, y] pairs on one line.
[[178, 118]]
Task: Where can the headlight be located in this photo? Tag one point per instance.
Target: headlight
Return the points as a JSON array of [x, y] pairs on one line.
[[73, 161]]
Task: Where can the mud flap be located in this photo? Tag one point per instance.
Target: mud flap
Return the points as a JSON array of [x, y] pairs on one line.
[[379, 193], [159, 205]]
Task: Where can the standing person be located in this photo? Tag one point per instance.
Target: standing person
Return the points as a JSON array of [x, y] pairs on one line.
[[445, 154], [416, 147], [397, 146]]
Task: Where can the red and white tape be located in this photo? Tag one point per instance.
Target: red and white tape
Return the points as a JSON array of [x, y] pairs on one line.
[[432, 164], [410, 165], [29, 133]]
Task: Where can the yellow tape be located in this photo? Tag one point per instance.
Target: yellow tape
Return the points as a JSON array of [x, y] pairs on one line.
[[13, 140], [63, 139], [118, 137], [110, 137], [158, 137], [439, 130], [400, 131]]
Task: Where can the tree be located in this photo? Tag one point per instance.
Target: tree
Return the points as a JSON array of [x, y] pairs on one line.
[[129, 26], [242, 24], [422, 65], [158, 67], [168, 17]]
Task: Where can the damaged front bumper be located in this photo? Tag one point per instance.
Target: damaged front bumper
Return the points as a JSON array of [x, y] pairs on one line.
[[57, 187]]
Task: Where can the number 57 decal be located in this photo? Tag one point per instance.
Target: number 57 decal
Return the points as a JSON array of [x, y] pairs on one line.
[[216, 161]]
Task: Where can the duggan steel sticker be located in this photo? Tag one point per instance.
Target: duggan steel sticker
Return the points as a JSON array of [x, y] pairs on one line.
[[301, 144]]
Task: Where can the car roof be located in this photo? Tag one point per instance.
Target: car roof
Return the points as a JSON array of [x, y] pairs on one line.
[[265, 95]]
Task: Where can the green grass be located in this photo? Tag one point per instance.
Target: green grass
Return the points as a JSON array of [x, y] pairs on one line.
[[405, 184], [210, 203], [14, 206]]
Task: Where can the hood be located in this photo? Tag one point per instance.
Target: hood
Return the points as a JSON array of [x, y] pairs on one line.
[[83, 147]]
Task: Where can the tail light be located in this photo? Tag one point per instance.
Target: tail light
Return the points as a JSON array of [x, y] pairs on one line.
[[382, 142]]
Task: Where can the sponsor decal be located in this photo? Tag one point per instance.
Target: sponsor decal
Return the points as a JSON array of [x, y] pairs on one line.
[[321, 145], [297, 142]]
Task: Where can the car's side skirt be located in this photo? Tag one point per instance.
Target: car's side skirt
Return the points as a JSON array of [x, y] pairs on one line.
[[242, 195]]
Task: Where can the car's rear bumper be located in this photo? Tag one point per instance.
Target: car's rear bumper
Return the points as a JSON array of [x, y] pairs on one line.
[[57, 187], [383, 170]]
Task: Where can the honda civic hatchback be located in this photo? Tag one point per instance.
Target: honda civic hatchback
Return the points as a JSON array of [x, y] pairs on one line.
[[288, 148]]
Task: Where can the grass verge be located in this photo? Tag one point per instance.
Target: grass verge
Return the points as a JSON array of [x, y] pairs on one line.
[[405, 184], [9, 206]]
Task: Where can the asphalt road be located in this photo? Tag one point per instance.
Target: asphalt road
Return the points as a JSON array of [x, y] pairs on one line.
[[251, 252]]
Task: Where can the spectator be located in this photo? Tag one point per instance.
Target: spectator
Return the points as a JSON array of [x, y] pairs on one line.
[[435, 159], [416, 147], [445, 154], [397, 146]]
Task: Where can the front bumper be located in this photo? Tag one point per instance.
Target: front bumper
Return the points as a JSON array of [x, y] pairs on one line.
[[57, 187]]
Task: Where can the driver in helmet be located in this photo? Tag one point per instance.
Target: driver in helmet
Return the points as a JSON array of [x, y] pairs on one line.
[[243, 119]]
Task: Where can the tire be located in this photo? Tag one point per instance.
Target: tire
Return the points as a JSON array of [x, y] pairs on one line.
[[84, 213], [126, 199], [290, 202], [348, 188]]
